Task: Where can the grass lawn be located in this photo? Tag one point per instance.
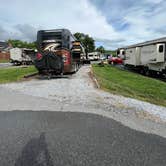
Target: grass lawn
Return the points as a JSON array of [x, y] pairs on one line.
[[15, 73], [130, 84]]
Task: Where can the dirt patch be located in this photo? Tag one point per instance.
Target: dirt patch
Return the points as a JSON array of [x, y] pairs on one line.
[[148, 116], [95, 82]]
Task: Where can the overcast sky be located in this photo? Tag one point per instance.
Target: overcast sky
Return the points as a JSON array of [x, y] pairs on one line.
[[113, 23]]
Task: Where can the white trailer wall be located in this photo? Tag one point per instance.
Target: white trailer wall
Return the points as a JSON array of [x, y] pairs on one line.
[[16, 54], [132, 56], [151, 54], [148, 54]]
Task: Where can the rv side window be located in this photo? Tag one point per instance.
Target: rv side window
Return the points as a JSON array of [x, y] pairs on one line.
[[161, 48], [123, 52]]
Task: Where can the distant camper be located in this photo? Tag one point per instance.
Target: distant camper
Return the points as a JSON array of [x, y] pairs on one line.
[[20, 56], [94, 56]]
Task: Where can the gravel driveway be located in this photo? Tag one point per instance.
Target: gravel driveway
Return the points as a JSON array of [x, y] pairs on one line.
[[77, 93]]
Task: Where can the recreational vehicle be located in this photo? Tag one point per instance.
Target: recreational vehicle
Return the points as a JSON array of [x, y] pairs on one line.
[[58, 52], [94, 56], [19, 56], [148, 57]]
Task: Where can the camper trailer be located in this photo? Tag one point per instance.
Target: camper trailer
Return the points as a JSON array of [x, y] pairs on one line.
[[148, 57], [93, 56], [19, 56]]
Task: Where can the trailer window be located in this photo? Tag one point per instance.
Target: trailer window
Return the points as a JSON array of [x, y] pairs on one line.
[[52, 36], [161, 48]]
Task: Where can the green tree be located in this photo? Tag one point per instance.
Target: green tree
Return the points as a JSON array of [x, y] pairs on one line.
[[79, 36], [22, 44], [100, 49], [87, 41]]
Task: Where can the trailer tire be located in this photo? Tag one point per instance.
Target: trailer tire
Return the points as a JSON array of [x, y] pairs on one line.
[[146, 71]]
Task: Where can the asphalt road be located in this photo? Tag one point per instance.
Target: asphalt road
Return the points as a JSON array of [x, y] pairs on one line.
[[5, 65], [74, 139]]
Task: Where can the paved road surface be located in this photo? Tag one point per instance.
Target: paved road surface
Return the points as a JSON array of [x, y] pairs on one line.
[[78, 127], [4, 65], [76, 139]]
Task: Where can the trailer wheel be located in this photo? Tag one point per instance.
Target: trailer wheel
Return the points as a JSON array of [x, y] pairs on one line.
[[141, 71], [146, 72]]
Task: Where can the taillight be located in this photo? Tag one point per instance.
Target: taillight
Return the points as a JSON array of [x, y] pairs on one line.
[[39, 56]]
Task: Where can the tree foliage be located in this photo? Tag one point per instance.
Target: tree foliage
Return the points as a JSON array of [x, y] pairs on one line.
[[22, 44], [100, 49], [113, 53]]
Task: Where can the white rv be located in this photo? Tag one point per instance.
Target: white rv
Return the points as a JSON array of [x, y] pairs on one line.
[[149, 57], [20, 56], [94, 56]]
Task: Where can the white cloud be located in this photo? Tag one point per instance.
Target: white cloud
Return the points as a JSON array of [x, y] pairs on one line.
[[145, 25], [21, 19], [154, 1], [75, 15]]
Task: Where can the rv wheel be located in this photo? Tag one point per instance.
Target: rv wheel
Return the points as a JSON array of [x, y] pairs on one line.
[[146, 71]]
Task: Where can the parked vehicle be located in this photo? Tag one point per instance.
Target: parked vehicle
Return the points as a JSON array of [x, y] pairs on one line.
[[148, 57], [58, 52], [19, 56], [115, 60], [94, 56], [103, 57]]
